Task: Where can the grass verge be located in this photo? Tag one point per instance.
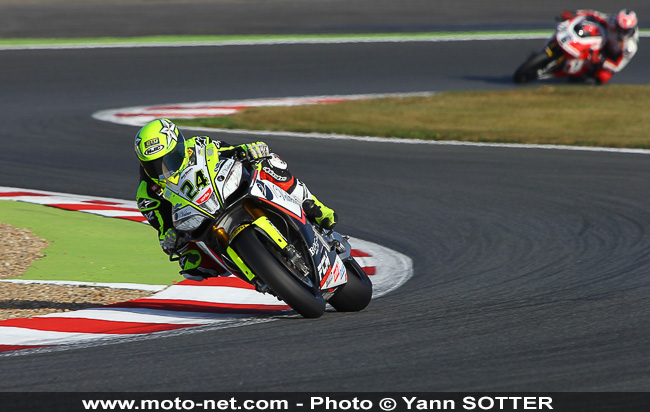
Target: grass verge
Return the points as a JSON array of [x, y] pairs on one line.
[[604, 116], [90, 248]]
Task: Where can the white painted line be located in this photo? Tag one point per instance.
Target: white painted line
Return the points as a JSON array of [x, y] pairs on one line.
[[10, 335], [292, 40], [43, 197], [397, 140], [140, 115], [131, 286], [433, 38], [217, 294], [393, 268]]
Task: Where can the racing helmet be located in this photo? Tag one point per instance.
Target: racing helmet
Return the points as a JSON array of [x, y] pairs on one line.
[[160, 147], [626, 22]]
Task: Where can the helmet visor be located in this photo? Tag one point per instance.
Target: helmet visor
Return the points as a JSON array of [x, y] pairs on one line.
[[168, 165], [173, 160]]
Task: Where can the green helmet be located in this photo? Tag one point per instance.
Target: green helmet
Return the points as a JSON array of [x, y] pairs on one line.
[[160, 146]]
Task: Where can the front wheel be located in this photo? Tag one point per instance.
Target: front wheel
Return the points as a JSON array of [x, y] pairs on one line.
[[355, 295], [267, 265], [529, 70]]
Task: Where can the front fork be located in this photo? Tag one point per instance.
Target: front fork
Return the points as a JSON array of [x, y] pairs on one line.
[[262, 223], [553, 49]]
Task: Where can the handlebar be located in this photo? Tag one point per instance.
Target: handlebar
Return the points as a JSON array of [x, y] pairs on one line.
[[247, 161]]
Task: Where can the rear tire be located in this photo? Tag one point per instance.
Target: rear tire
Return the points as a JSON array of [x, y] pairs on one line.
[[356, 294], [528, 70], [273, 273]]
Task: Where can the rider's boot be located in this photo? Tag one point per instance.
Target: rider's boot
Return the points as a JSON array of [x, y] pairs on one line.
[[199, 274], [275, 170], [317, 212], [191, 267]]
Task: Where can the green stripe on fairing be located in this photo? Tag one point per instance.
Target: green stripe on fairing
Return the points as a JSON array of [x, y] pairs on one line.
[[91, 248]]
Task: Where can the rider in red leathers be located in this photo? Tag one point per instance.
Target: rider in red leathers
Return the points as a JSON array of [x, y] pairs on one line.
[[621, 43]]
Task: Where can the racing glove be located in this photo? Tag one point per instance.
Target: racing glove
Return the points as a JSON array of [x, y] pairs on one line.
[[172, 243], [257, 150]]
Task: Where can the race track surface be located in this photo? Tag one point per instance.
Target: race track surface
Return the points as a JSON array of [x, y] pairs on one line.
[[530, 266]]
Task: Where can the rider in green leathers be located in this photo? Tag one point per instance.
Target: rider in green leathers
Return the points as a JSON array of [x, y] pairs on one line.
[[163, 152]]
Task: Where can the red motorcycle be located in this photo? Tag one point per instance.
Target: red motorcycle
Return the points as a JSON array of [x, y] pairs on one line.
[[571, 52]]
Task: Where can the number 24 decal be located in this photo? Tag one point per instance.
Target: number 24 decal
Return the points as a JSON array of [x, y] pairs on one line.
[[200, 181]]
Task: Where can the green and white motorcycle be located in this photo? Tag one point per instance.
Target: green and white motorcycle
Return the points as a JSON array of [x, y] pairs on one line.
[[258, 232]]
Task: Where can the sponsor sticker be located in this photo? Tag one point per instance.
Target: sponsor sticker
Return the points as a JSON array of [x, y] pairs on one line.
[[153, 150], [315, 247], [182, 213], [144, 204], [239, 229], [204, 198], [151, 142], [274, 175]]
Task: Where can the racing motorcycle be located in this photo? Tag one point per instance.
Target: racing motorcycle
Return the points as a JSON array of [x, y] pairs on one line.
[[570, 52], [258, 232]]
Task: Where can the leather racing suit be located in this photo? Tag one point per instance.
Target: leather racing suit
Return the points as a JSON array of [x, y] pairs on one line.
[[618, 50], [195, 265]]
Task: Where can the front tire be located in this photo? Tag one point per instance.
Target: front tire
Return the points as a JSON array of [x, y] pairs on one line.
[[528, 70], [275, 275], [355, 295]]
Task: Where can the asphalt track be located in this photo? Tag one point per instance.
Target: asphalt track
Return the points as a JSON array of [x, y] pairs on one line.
[[530, 266]]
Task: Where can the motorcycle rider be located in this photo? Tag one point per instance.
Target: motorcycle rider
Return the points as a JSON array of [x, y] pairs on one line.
[[621, 41], [162, 151]]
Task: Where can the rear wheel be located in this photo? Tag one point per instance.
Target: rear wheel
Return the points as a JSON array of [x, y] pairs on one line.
[[272, 268], [529, 70], [355, 295]]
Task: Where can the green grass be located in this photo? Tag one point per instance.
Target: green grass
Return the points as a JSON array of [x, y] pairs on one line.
[[606, 116], [90, 248]]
